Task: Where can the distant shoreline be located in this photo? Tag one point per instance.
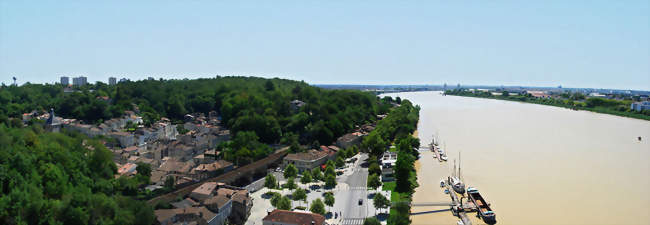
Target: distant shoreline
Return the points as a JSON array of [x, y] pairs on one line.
[[602, 110]]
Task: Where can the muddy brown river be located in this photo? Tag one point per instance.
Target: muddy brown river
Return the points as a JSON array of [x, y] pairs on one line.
[[534, 164]]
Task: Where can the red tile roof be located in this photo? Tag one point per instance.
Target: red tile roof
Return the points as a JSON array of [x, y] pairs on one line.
[[298, 218]]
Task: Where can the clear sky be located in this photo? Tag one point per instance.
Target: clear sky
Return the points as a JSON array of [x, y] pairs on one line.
[[600, 44]]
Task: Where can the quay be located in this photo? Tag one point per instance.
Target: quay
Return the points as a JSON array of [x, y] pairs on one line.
[[457, 207]]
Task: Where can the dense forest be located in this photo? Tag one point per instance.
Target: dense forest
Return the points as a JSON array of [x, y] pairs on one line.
[[571, 100], [64, 178], [245, 104]]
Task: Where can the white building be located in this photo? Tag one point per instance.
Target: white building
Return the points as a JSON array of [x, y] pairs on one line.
[[638, 106], [388, 161]]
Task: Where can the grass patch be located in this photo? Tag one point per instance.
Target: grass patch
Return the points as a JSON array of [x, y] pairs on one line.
[[395, 196]]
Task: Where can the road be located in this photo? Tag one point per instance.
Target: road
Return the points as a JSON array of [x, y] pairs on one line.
[[353, 189]]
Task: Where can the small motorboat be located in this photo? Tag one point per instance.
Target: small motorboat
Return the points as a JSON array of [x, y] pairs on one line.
[[442, 183], [443, 157]]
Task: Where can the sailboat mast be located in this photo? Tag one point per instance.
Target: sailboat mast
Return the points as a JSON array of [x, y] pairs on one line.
[[458, 164]]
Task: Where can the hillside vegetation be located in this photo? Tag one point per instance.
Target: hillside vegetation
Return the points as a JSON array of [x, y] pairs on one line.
[[57, 178], [245, 104]]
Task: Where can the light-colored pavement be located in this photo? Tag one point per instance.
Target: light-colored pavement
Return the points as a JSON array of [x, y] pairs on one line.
[[351, 187]]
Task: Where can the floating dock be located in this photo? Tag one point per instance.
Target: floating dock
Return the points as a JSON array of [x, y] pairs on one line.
[[457, 207]]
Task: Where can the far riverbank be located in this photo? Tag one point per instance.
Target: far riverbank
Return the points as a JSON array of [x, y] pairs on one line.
[[596, 105]]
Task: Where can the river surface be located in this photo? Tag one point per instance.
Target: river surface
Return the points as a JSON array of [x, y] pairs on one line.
[[535, 164]]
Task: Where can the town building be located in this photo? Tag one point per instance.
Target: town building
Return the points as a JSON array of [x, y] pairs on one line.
[[306, 160], [53, 124], [204, 171], [539, 94], [349, 140], [192, 215], [79, 81], [226, 202], [388, 161], [285, 217], [127, 169], [241, 206], [221, 205], [205, 191], [112, 81], [65, 81], [639, 106]]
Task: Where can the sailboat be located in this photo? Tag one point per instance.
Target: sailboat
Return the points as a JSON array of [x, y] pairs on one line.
[[456, 182], [443, 155]]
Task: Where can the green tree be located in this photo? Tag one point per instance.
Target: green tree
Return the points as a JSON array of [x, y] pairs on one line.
[[290, 184], [373, 181], [306, 177], [329, 199], [329, 170], [270, 181], [316, 174], [317, 206], [403, 173], [371, 221], [290, 171], [299, 194], [374, 168], [143, 169], [401, 215], [330, 181], [275, 199], [374, 143], [339, 162], [380, 201], [284, 203]]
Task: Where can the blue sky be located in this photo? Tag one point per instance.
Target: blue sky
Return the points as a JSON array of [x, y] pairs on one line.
[[601, 44]]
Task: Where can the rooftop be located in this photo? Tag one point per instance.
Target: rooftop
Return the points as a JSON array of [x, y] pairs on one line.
[[310, 155], [298, 218], [206, 188], [218, 200], [220, 164], [166, 214]]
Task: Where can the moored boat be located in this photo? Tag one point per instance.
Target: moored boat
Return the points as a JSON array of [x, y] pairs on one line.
[[483, 208], [458, 185], [456, 182]]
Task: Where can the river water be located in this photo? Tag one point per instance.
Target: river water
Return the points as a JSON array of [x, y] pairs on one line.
[[535, 164]]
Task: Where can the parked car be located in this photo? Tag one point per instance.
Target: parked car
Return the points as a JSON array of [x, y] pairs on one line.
[[360, 201]]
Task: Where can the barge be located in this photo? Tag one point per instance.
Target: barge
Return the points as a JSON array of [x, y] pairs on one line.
[[483, 208]]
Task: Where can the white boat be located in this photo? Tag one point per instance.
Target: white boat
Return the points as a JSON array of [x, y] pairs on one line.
[[443, 157], [455, 180], [442, 183]]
